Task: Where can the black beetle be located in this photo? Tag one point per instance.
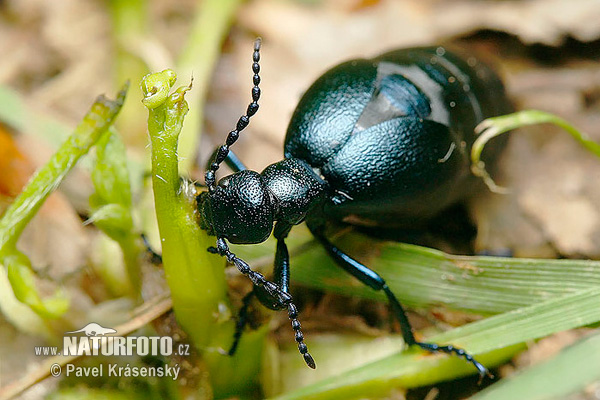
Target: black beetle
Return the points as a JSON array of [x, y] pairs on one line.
[[381, 142]]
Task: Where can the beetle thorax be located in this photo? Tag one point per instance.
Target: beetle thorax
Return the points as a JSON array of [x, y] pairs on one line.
[[295, 187], [243, 206]]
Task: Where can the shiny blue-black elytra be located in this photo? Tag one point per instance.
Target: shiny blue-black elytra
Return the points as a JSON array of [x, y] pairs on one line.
[[380, 142]]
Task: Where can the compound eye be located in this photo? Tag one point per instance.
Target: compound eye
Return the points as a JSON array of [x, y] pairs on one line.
[[242, 211]]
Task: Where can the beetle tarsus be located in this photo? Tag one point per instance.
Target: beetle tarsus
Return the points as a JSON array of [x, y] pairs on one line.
[[302, 348], [449, 349]]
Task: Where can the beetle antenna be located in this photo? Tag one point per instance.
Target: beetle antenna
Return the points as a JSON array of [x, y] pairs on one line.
[[302, 348], [242, 123], [283, 298]]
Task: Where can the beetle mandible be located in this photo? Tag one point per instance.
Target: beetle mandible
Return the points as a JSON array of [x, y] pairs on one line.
[[381, 142]]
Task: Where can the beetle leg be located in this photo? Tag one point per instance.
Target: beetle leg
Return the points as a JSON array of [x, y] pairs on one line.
[[242, 320], [282, 276], [374, 281], [231, 160], [155, 258], [281, 269]]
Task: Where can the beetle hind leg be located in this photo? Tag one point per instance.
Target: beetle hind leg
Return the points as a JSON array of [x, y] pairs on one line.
[[410, 340], [449, 349], [376, 282]]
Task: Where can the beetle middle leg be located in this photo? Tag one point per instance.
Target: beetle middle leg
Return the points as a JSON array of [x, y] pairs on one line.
[[374, 281]]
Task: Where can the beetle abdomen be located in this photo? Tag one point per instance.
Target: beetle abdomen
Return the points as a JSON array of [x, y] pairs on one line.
[[328, 111], [395, 171], [391, 135]]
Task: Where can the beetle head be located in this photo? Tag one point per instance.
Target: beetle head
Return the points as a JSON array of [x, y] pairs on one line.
[[240, 209]]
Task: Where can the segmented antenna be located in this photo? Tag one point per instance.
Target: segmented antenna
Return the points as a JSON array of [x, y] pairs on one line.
[[243, 122], [283, 299]]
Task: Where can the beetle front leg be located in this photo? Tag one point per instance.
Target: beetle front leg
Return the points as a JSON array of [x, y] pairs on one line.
[[155, 258], [242, 320], [281, 276], [374, 281], [231, 160]]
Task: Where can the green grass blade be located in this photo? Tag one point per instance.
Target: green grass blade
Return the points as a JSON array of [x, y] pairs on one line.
[[492, 127], [423, 277], [410, 369], [94, 125], [571, 370]]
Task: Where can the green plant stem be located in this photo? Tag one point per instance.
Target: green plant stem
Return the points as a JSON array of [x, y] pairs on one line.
[[132, 249], [20, 274], [112, 205], [198, 289], [46, 180], [195, 277], [197, 60]]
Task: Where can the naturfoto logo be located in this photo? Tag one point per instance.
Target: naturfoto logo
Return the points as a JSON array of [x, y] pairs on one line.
[[96, 342], [94, 329], [95, 339]]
